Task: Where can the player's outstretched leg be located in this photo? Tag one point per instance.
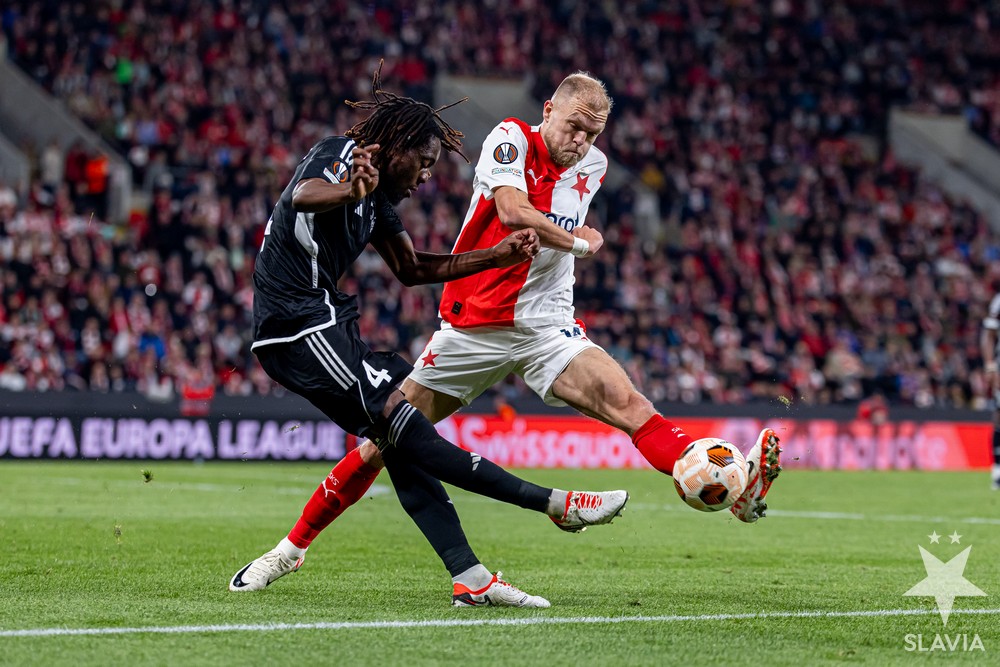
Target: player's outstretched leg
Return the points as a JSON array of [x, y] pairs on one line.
[[415, 438], [596, 385], [763, 466]]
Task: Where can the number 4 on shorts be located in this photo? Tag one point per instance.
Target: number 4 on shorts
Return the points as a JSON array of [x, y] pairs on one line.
[[376, 377]]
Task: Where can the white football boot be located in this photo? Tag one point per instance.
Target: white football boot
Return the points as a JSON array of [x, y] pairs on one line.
[[260, 573], [590, 508], [763, 467], [996, 477], [497, 593]]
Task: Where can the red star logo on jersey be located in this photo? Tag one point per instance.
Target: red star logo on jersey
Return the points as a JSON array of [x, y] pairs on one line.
[[581, 185], [429, 358]]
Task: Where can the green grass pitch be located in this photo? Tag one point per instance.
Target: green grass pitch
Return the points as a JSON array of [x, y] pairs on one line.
[[97, 546]]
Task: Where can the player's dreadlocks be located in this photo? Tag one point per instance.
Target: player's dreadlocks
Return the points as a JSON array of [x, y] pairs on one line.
[[400, 123]]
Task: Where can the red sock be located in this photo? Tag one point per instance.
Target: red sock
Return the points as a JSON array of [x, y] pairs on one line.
[[344, 486], [661, 442]]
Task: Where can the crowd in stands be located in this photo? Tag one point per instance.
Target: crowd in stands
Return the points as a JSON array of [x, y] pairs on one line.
[[795, 259]]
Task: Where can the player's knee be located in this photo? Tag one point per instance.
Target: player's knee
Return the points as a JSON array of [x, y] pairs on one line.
[[395, 398], [370, 454], [419, 397]]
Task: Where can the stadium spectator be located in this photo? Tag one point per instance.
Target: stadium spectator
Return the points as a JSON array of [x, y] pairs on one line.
[[197, 391], [8, 201], [874, 409]]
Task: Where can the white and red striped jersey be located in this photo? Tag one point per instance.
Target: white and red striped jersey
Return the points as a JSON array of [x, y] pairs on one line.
[[538, 292]]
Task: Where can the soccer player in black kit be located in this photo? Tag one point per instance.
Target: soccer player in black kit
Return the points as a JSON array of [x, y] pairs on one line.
[[989, 346], [306, 337]]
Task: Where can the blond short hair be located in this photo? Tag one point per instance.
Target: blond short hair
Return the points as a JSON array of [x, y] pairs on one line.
[[586, 88]]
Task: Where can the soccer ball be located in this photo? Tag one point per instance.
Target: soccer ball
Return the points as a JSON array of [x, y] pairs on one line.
[[710, 474]]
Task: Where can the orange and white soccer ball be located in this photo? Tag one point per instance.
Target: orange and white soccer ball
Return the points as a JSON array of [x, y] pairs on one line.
[[710, 474]]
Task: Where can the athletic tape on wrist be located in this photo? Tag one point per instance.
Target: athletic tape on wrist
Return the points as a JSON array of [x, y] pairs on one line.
[[580, 247]]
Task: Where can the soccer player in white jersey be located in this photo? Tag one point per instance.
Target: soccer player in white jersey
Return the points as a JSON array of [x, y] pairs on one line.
[[521, 320], [989, 343]]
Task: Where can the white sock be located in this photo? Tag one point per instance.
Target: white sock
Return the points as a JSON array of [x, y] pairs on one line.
[[475, 578], [290, 551], [557, 503]]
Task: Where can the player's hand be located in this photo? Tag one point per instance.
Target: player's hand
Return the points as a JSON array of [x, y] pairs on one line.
[[518, 247], [364, 175], [591, 236]]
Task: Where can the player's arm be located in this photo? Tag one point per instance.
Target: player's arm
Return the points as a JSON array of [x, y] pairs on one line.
[[516, 212], [414, 267], [316, 195], [501, 169]]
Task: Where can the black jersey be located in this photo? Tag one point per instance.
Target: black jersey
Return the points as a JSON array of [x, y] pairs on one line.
[[304, 254]]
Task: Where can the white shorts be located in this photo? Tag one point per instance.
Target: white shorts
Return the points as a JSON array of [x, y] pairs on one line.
[[466, 362]]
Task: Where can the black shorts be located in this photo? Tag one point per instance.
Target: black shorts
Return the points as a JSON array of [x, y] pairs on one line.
[[338, 373]]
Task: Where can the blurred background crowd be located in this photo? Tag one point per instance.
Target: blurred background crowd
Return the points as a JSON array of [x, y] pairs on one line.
[[795, 257]]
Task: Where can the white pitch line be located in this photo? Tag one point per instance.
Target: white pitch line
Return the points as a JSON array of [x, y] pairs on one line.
[[839, 516], [906, 518], [457, 623]]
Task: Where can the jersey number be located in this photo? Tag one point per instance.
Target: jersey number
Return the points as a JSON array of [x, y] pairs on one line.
[[376, 377]]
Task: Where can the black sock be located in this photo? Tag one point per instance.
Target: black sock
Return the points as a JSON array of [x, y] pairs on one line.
[[415, 437], [427, 503], [996, 446]]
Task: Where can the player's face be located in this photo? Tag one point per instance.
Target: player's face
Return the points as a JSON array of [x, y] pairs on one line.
[[569, 128], [408, 171]]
